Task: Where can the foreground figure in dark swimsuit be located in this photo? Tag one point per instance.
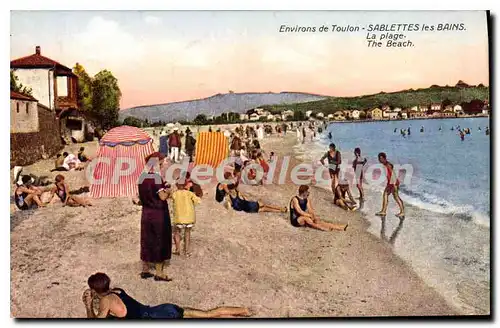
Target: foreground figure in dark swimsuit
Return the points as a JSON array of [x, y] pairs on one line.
[[117, 304], [302, 214]]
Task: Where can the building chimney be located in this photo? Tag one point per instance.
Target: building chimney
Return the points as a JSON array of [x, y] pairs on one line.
[[38, 50]]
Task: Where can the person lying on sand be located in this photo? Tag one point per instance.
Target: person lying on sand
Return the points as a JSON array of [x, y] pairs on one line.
[[26, 196], [61, 189], [238, 201], [302, 213], [340, 197], [117, 304]]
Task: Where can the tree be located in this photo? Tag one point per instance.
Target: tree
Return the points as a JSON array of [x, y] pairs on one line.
[[445, 103], [17, 86], [105, 98], [133, 121], [299, 115], [200, 119], [84, 88]]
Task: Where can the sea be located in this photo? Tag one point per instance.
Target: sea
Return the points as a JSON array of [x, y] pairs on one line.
[[445, 237]]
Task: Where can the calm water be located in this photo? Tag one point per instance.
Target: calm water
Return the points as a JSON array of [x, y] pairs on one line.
[[445, 236], [450, 176]]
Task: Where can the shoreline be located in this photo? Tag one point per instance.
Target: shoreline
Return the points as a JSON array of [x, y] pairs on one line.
[[454, 268], [255, 260], [408, 119], [359, 221]]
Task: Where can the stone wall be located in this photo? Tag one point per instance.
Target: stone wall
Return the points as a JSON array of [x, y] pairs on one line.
[[27, 148]]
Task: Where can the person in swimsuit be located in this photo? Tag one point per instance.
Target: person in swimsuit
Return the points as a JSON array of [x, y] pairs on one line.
[[392, 187], [302, 213], [340, 198], [117, 304], [81, 155], [358, 166], [238, 201], [26, 196], [334, 161], [61, 190]]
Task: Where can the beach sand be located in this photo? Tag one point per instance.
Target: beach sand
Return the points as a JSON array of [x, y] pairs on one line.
[[254, 260]]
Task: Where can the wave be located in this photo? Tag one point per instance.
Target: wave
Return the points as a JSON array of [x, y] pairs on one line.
[[436, 204], [312, 152]]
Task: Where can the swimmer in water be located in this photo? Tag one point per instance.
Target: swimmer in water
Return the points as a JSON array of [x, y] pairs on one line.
[[409, 131], [330, 135], [462, 135], [422, 129]]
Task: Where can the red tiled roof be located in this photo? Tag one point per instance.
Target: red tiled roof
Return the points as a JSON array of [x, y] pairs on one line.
[[38, 61], [20, 96]]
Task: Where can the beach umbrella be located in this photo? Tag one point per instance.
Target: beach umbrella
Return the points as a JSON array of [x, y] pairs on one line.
[[119, 162]]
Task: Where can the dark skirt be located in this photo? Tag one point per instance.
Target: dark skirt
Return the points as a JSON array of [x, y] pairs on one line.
[[156, 235]]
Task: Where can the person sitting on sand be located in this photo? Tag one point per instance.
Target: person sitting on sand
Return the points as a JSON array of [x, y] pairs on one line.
[[81, 155], [392, 187], [26, 196], [302, 213], [59, 161], [71, 162], [61, 189], [184, 216], [117, 304], [340, 198], [222, 190]]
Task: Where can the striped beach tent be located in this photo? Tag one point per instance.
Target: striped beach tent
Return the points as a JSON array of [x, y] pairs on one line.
[[211, 148], [119, 162]]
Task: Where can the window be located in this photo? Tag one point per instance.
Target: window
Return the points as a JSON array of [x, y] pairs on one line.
[[62, 86], [17, 106], [27, 107]]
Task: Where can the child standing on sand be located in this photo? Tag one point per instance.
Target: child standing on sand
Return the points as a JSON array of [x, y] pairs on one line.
[[184, 216]]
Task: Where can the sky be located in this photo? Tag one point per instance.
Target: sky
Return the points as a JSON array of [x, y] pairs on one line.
[[167, 56]]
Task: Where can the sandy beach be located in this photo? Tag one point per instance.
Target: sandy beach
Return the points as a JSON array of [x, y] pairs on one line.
[[254, 260]]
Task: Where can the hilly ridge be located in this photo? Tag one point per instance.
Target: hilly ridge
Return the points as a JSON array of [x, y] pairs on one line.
[[215, 105]]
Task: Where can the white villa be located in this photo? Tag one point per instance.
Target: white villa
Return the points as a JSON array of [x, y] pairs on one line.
[[355, 114]]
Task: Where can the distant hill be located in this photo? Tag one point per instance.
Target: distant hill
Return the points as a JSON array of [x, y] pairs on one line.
[[215, 105], [457, 94]]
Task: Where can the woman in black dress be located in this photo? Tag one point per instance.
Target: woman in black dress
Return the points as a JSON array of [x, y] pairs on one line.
[[156, 230]]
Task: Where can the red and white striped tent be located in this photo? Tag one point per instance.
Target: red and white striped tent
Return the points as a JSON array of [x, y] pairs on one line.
[[119, 162]]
